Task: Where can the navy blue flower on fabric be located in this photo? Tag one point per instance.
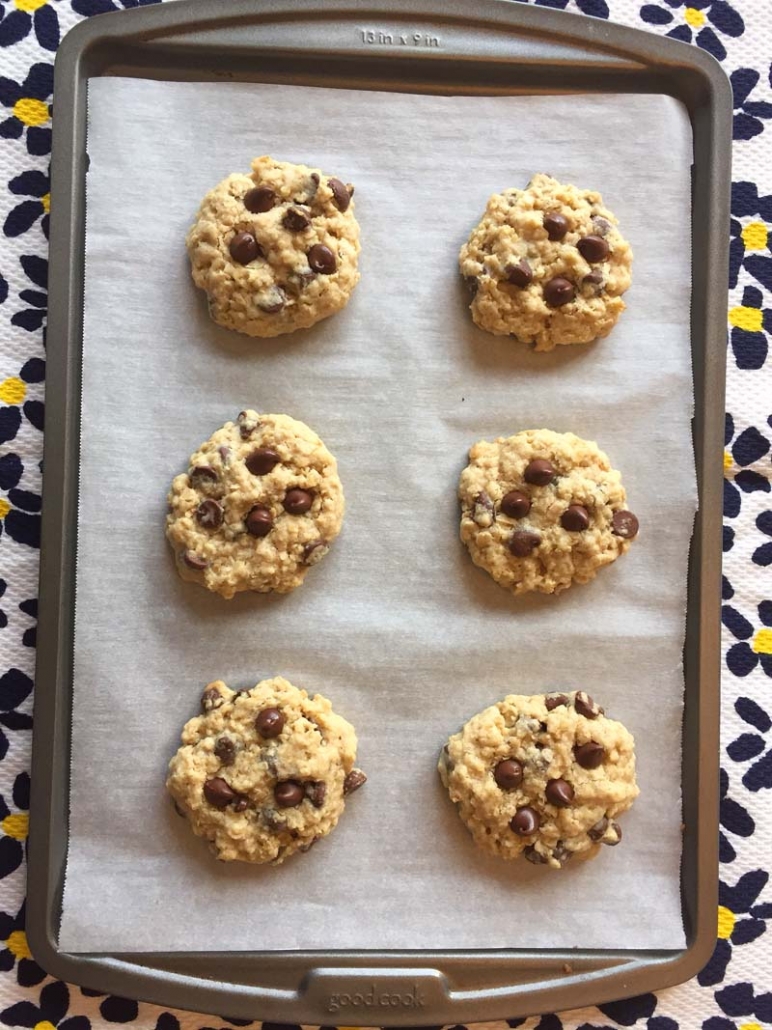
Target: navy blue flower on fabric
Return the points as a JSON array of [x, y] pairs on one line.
[[749, 448], [13, 399], [29, 637], [32, 317], [734, 819], [12, 934], [595, 8], [89, 7], [748, 113], [750, 321], [739, 900], [54, 1002], [749, 746], [15, 688], [691, 19], [22, 217], [763, 554], [749, 244], [15, 826], [740, 1000], [30, 109], [755, 646], [19, 17]]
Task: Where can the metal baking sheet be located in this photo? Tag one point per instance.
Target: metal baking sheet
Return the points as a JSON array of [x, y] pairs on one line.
[[504, 48]]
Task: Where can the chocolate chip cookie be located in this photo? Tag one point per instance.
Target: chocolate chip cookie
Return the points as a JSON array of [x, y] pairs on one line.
[[547, 265], [542, 510], [263, 773], [260, 504], [276, 250], [543, 777]]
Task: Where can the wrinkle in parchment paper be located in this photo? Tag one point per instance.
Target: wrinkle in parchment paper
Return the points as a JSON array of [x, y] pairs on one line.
[[396, 626]]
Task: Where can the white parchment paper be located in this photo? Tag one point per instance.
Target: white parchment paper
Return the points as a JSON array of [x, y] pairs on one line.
[[396, 626]]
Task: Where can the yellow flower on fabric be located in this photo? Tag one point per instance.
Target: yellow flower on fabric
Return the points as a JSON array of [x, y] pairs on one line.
[[4, 507], [16, 825], [728, 461], [44, 1024], [12, 391], [755, 236], [762, 642], [45, 200], [17, 945], [751, 1026], [30, 6], [726, 920], [31, 111], [749, 319], [694, 17]]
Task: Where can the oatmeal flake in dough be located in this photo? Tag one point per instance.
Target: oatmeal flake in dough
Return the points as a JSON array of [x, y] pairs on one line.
[[547, 265]]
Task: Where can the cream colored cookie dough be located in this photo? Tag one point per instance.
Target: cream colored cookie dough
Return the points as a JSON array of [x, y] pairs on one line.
[[547, 265], [263, 773], [542, 510], [276, 250], [259, 505], [543, 777]]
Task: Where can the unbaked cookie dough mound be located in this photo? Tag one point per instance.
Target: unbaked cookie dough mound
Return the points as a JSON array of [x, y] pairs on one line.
[[547, 265], [263, 773], [276, 250], [259, 505], [542, 510], [543, 777]]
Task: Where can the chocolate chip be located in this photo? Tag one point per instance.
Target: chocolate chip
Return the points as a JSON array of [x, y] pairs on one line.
[[177, 809], [314, 551], [316, 792], [297, 282], [241, 805], [508, 774], [271, 300], [593, 249], [575, 518], [539, 472], [272, 821], [353, 781], [247, 423], [525, 821], [585, 705], [596, 832], [225, 454], [321, 259], [589, 755], [244, 248], [210, 514], [561, 853], [218, 793], [559, 793], [530, 854], [618, 831], [602, 225], [520, 274], [270, 722], [195, 561], [259, 521], [556, 225], [624, 524], [288, 794], [522, 542], [472, 283], [225, 749], [295, 220], [558, 291], [516, 504], [261, 461], [555, 701], [483, 513], [260, 199], [210, 699], [297, 501], [307, 847], [594, 281], [202, 476], [340, 195]]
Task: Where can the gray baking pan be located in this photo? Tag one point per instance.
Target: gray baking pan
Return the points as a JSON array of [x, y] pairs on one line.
[[447, 46]]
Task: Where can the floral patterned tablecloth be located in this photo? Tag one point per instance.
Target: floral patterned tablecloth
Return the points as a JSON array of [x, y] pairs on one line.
[[734, 991]]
